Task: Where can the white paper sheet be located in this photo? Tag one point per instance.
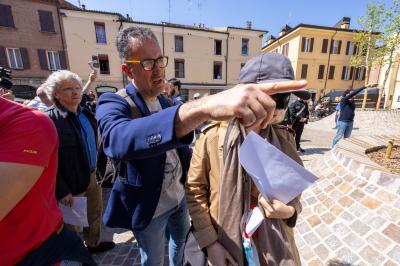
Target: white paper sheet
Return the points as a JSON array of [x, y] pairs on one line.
[[254, 220], [77, 214], [275, 174]]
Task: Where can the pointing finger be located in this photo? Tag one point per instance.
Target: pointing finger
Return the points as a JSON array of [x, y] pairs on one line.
[[277, 87]]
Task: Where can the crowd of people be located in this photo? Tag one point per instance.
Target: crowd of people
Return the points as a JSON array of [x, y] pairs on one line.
[[161, 190]]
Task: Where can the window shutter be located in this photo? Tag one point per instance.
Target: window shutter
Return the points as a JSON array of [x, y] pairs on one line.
[[324, 45], [63, 62], [46, 21], [363, 75], [331, 48], [25, 58], [312, 45], [343, 72], [351, 73], [43, 59], [304, 71], [3, 57], [321, 71], [331, 72], [303, 44], [355, 49], [347, 47], [339, 47], [6, 17]]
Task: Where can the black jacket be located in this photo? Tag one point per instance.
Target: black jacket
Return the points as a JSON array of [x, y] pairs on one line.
[[73, 173], [347, 106], [298, 110]]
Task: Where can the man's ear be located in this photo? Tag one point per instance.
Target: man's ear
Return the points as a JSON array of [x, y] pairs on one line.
[[126, 70]]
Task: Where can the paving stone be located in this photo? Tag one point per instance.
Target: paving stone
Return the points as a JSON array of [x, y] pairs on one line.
[[314, 220], [328, 188], [333, 242], [395, 254], [371, 256], [299, 241], [311, 200], [353, 241], [311, 239], [321, 251], [335, 194], [358, 210], [341, 229], [336, 210], [303, 228], [385, 196], [319, 208], [307, 253], [389, 213], [345, 187], [346, 201], [347, 216], [360, 183], [346, 255], [357, 194], [378, 241], [375, 222], [371, 188], [328, 218], [393, 232], [322, 230], [371, 203], [336, 181], [315, 263], [390, 263], [360, 228], [328, 203]]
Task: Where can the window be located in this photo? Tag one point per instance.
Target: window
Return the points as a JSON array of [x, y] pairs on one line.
[[321, 71], [217, 70], [360, 73], [6, 17], [331, 74], [53, 60], [324, 46], [347, 73], [179, 68], [14, 58], [285, 49], [46, 21], [336, 46], [304, 68], [100, 30], [245, 46], [217, 47], [307, 45], [104, 64], [242, 65], [179, 44], [398, 99]]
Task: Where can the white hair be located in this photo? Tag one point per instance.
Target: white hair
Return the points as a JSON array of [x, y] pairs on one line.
[[53, 82]]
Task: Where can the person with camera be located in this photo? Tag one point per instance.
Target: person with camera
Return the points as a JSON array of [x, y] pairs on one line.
[[298, 117], [6, 84]]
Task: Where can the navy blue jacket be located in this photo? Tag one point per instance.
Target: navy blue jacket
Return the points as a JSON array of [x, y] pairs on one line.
[[347, 106], [142, 143]]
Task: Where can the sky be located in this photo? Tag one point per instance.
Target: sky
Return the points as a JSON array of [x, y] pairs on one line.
[[269, 15]]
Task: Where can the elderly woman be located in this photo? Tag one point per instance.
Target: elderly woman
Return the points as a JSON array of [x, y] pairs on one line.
[[77, 132]]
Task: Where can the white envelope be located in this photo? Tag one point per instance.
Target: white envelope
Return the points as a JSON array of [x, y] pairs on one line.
[[77, 214], [275, 174]]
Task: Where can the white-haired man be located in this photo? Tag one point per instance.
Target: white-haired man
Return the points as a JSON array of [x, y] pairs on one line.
[[77, 132]]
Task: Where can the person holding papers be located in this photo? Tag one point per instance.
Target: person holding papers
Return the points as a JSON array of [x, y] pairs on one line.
[[219, 191]]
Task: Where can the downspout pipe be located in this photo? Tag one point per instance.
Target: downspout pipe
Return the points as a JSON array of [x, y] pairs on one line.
[[329, 61], [62, 35], [226, 60]]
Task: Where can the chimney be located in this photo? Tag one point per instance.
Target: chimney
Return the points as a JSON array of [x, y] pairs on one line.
[[248, 24], [284, 30], [344, 23], [83, 6], [270, 39]]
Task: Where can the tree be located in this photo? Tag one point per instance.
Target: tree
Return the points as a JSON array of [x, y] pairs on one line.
[[391, 40], [366, 40]]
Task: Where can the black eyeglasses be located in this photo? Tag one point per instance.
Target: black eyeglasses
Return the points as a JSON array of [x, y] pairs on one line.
[[149, 64], [281, 100]]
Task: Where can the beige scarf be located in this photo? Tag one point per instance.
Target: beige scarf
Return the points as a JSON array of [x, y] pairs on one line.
[[274, 245]]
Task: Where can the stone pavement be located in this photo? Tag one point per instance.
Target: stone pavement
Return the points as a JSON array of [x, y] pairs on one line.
[[350, 216]]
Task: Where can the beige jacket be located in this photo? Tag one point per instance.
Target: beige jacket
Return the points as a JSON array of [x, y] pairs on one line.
[[203, 182]]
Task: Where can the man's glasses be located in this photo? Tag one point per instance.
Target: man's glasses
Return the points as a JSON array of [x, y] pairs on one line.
[[281, 100], [149, 64]]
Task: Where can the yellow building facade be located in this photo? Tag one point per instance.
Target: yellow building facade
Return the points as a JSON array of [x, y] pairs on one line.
[[205, 60], [321, 55]]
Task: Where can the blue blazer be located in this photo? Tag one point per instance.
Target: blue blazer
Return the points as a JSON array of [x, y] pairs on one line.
[[142, 143]]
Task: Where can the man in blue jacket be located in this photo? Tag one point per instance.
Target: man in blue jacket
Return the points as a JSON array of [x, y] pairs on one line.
[[346, 115], [150, 198]]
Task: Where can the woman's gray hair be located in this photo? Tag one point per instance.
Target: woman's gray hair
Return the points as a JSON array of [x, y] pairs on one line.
[[53, 82], [126, 37]]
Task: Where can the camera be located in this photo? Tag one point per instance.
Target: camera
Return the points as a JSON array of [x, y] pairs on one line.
[[5, 78]]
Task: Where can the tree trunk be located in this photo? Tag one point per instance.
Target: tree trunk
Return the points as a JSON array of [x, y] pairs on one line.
[[367, 70]]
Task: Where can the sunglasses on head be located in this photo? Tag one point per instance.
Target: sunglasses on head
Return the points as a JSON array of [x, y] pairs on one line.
[[281, 100]]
